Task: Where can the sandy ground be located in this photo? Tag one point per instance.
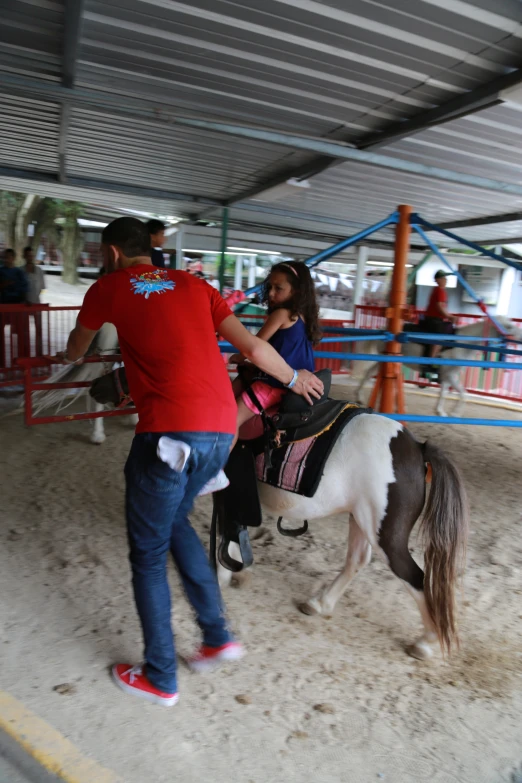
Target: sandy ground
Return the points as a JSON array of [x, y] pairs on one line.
[[315, 700]]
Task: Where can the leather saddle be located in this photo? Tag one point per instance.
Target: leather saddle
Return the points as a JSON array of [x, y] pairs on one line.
[[296, 419], [237, 507]]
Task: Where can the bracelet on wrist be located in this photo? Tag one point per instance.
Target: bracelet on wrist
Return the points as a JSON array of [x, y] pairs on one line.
[[293, 381]]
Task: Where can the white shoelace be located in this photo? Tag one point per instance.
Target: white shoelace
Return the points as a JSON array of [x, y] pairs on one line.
[[133, 672]]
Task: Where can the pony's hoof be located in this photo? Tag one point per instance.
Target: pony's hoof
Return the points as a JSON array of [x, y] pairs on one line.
[[98, 439], [420, 650], [241, 580], [309, 608]]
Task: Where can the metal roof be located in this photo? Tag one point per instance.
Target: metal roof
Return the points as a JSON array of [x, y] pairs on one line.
[[96, 101]]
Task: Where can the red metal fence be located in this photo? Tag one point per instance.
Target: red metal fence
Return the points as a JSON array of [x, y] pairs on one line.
[[31, 331]]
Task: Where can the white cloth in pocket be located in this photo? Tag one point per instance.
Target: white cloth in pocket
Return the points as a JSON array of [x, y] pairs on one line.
[[174, 453]]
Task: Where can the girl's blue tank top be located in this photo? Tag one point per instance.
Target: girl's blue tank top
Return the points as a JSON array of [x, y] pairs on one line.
[[295, 348]]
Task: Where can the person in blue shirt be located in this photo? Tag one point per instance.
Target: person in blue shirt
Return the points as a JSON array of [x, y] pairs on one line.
[[13, 281], [156, 231], [292, 328]]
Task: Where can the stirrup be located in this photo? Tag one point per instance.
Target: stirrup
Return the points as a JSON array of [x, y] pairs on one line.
[[292, 532], [245, 548]]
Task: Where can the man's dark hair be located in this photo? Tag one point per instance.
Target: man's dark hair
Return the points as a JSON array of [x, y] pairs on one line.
[[9, 252], [154, 226], [27, 248], [128, 234]]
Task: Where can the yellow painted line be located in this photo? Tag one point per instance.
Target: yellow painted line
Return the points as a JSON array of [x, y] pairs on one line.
[[48, 747]]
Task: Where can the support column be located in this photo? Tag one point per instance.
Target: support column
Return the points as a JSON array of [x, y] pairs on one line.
[[362, 258], [251, 271], [224, 232], [238, 275], [390, 378], [179, 247]]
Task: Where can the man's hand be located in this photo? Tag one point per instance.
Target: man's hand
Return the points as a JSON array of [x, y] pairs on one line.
[[60, 358], [308, 386]]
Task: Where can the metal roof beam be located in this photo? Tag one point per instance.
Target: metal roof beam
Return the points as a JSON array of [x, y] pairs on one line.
[[71, 46], [461, 106], [475, 100], [100, 184], [507, 217], [335, 150]]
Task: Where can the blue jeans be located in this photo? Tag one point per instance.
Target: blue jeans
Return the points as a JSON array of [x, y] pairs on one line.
[[158, 500]]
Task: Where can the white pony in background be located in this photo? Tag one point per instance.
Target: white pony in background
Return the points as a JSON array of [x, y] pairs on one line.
[[450, 376], [59, 400]]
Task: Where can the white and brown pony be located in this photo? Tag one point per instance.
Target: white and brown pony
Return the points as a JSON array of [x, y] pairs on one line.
[[375, 477]]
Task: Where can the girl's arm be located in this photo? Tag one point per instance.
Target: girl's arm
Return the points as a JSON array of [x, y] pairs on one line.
[[266, 358], [275, 321]]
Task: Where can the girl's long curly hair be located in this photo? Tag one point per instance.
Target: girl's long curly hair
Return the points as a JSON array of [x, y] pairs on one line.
[[303, 301]]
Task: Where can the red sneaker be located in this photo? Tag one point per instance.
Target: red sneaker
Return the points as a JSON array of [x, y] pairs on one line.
[[132, 680], [207, 658]]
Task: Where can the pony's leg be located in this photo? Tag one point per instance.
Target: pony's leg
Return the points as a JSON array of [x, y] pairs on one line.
[[358, 555], [223, 574], [461, 389], [404, 566], [98, 430], [366, 377], [405, 503], [445, 383], [132, 419]]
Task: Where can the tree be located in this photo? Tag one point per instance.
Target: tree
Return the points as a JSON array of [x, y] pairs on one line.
[[18, 211], [53, 218], [71, 242]]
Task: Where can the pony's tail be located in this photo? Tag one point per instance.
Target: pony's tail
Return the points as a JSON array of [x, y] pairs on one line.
[[445, 530]]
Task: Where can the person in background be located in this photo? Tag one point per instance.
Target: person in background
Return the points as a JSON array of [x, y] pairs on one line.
[[13, 291], [35, 277], [13, 282], [437, 318], [156, 231], [36, 282]]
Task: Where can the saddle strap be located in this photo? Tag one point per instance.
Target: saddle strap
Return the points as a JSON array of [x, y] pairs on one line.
[[124, 396], [268, 426]]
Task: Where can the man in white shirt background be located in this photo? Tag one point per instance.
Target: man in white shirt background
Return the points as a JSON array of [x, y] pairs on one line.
[[36, 284]]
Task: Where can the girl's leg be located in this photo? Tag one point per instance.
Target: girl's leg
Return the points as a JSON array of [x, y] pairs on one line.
[[244, 414], [237, 387]]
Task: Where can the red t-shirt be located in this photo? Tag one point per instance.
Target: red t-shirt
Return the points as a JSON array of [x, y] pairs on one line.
[[166, 322], [438, 296]]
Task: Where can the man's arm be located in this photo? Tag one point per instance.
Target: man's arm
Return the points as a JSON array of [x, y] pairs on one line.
[[445, 313], [79, 340], [267, 359], [269, 328]]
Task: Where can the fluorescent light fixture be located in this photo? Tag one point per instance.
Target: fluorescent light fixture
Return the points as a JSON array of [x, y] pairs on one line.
[[253, 250], [244, 251], [388, 264], [91, 223]]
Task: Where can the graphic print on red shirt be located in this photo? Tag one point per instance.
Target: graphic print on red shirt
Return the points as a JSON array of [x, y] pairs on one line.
[[438, 296], [166, 322]]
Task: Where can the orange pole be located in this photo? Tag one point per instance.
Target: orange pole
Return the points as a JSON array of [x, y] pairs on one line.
[[395, 312]]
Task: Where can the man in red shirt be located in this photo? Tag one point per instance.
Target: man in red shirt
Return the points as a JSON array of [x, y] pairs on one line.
[[166, 322], [437, 318]]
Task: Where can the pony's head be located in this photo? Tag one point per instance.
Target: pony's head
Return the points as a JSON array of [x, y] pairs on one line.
[[512, 329]]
